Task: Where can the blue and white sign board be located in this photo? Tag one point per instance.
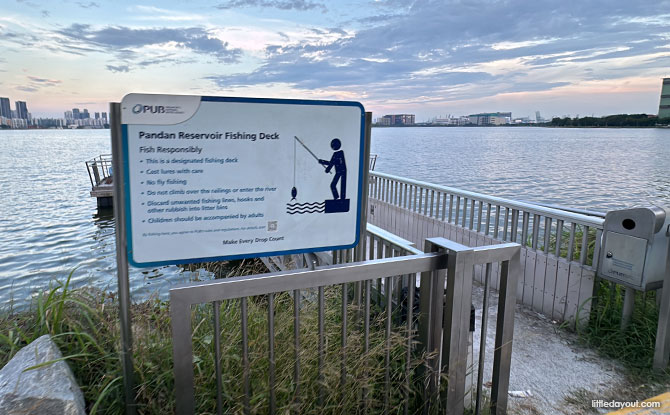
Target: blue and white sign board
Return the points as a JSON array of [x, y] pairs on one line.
[[210, 178]]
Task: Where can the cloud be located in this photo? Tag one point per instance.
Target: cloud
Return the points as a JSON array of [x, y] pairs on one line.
[[120, 68], [36, 83], [28, 3], [152, 13], [43, 81], [88, 5], [301, 5], [121, 40], [468, 49], [26, 88], [45, 13]]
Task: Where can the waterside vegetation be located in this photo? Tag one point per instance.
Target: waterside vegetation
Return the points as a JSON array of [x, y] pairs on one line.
[[619, 120], [84, 324]]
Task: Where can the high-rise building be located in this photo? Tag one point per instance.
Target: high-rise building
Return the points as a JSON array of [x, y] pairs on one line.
[[97, 115], [104, 116], [21, 110], [664, 105], [75, 113], [491, 118], [86, 115], [5, 108], [397, 119]]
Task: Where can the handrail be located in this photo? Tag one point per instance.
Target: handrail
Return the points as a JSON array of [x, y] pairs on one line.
[[494, 200], [564, 234], [99, 169], [393, 239]]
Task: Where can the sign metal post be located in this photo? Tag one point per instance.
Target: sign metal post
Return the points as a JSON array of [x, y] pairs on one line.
[[122, 259]]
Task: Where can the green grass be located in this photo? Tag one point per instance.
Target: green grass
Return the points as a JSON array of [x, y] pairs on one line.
[[84, 324], [634, 347]]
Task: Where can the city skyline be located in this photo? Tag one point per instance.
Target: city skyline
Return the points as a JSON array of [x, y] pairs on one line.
[[423, 57], [22, 118]]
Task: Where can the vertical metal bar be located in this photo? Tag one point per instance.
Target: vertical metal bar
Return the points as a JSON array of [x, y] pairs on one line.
[[451, 206], [430, 324], [271, 351], [382, 189], [506, 224], [547, 234], [217, 357], [359, 250], [536, 230], [432, 201], [417, 198], [387, 184], [488, 219], [437, 205], [571, 241], [585, 244], [366, 337], [444, 207], [387, 191], [404, 195], [524, 229], [408, 202], [472, 213], [122, 259], [455, 328], [515, 225], [245, 358], [410, 337], [559, 237], [502, 355], [482, 338], [343, 364], [458, 209], [479, 216], [182, 350], [321, 347], [425, 204], [296, 346], [396, 193], [387, 357], [662, 345], [497, 223], [465, 211]]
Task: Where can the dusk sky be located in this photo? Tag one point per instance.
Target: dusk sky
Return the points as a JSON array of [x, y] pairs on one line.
[[429, 58]]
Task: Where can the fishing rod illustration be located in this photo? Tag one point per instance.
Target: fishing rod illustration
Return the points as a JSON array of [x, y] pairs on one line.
[[294, 190]]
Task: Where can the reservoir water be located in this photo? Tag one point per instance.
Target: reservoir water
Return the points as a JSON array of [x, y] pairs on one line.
[[49, 224]]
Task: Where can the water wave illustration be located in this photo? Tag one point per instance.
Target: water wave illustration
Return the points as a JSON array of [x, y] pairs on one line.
[[302, 208]]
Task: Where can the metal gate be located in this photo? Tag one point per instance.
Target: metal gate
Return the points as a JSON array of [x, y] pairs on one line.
[[437, 331]]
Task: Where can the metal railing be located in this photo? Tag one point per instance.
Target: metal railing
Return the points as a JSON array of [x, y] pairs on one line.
[[99, 169], [441, 339], [573, 236]]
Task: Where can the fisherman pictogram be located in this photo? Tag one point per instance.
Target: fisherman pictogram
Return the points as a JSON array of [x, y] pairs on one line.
[[339, 203]]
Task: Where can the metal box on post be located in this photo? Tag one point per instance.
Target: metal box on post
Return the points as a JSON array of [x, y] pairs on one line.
[[634, 249]]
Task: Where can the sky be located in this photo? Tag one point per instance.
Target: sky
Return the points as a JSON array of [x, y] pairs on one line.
[[429, 58]]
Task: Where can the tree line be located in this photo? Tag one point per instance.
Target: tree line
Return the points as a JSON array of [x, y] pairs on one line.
[[619, 120]]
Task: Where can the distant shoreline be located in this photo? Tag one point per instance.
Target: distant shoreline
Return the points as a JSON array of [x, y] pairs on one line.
[[51, 128], [522, 125]]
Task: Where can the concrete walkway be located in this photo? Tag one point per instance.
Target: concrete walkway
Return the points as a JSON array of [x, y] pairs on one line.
[[546, 361]]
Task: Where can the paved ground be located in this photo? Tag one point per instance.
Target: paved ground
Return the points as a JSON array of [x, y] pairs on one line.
[[546, 361]]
